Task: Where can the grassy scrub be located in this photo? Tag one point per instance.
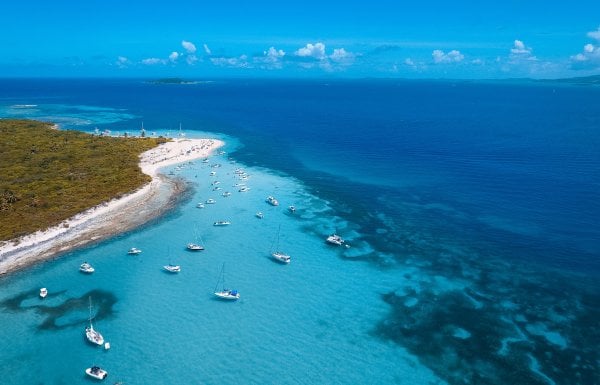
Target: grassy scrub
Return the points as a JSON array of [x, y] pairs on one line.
[[47, 175]]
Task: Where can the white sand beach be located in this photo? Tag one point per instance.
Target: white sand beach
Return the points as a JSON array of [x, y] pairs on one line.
[[112, 217]]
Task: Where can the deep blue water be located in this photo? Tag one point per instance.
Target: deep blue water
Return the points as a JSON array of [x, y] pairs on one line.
[[478, 201]]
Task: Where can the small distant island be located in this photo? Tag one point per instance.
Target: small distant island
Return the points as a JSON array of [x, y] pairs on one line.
[[49, 175], [176, 81], [584, 80]]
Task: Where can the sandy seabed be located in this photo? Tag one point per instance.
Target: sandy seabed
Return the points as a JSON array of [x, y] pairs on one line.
[[113, 217]]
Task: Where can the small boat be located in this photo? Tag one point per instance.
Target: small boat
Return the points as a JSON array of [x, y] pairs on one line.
[[215, 183], [292, 209], [211, 201], [92, 334], [86, 268], [213, 173], [225, 293], [244, 189], [260, 215], [217, 188], [134, 250], [205, 160], [194, 247], [272, 201], [221, 223], [200, 205], [335, 239], [96, 372], [172, 268], [226, 194], [43, 292], [279, 256]]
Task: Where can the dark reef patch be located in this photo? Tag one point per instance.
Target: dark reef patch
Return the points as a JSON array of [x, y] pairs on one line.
[[103, 303]]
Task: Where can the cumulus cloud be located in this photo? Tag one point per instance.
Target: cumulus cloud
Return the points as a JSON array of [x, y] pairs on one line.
[[521, 52], [409, 62], [153, 61], [173, 57], [188, 46], [207, 50], [594, 34], [589, 58], [271, 58], [316, 51], [191, 59], [122, 62], [231, 62], [454, 56], [341, 55]]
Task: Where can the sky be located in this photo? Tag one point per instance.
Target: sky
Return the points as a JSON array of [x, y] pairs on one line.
[[300, 39]]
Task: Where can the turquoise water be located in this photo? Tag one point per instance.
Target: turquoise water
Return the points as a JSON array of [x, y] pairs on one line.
[[471, 210], [307, 322]]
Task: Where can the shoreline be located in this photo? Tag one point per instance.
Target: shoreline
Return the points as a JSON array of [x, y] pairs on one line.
[[115, 216]]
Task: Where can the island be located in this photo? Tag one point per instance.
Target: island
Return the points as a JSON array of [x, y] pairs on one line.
[[64, 189]]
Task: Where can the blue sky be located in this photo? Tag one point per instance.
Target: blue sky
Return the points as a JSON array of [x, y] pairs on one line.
[[427, 39]]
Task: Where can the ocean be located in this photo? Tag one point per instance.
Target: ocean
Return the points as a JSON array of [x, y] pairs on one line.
[[470, 210]]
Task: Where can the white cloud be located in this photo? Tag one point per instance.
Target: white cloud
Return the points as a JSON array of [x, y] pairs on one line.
[[191, 59], [520, 52], [589, 58], [341, 55], [188, 46], [316, 51], [153, 61], [594, 34], [409, 62], [477, 61], [173, 57], [207, 50], [453, 56], [231, 62], [122, 62], [271, 58]]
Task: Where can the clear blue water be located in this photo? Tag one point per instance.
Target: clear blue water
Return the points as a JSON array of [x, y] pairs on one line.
[[471, 209]]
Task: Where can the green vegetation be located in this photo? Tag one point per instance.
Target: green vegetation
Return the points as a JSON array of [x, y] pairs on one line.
[[47, 175]]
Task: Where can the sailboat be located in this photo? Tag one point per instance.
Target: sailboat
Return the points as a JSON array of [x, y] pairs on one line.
[[225, 293], [195, 246], [279, 256], [91, 334]]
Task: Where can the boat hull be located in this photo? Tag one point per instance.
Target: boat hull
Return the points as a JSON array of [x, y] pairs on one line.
[[99, 374]]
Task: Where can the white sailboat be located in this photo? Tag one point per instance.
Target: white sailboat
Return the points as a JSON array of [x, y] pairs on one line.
[[278, 255], [195, 246], [225, 293], [91, 334]]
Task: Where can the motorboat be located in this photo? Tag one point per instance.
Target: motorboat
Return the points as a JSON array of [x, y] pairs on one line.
[[200, 205], [194, 247], [260, 215], [211, 201], [172, 268], [217, 188], [86, 268], [226, 194], [134, 250], [335, 239], [96, 372], [213, 173], [272, 201], [221, 223], [244, 189], [43, 292], [292, 209]]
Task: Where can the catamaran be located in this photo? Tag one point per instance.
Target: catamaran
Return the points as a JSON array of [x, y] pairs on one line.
[[225, 293], [91, 334]]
